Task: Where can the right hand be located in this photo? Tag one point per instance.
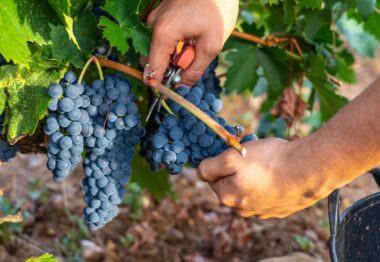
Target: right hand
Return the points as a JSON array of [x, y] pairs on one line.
[[206, 24]]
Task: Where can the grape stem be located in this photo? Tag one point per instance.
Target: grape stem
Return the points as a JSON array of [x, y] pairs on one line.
[[93, 59], [211, 123]]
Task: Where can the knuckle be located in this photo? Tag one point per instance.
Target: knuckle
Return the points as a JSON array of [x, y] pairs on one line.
[[226, 201], [270, 215], [245, 213], [262, 217], [228, 159], [153, 15], [161, 31], [201, 171], [212, 49], [150, 19], [189, 77]]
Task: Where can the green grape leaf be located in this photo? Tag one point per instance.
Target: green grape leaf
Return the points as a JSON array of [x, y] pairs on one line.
[[361, 41], [245, 59], [62, 48], [273, 2], [14, 34], [87, 33], [310, 4], [27, 94], [314, 23], [289, 12], [44, 258], [77, 7], [276, 73], [330, 102], [157, 183], [127, 27], [37, 15], [345, 72], [372, 25], [62, 8], [241, 75], [115, 34], [365, 7]]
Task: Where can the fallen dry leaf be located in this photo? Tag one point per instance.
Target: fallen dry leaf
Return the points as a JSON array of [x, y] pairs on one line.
[[12, 218]]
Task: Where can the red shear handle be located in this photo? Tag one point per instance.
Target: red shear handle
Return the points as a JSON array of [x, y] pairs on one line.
[[185, 58]]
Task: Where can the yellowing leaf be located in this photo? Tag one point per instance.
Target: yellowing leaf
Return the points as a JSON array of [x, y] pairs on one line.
[[27, 94], [62, 8]]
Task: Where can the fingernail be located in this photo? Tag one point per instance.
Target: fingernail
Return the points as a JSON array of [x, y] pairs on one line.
[[148, 73]]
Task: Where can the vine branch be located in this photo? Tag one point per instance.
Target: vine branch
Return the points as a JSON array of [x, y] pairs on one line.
[[270, 41]]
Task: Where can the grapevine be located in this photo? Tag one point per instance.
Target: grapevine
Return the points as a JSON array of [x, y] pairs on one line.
[[47, 106]]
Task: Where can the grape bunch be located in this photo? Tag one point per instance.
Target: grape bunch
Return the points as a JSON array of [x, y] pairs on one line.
[[209, 83], [173, 141], [7, 151], [182, 138], [67, 124], [106, 176], [151, 127], [110, 148]]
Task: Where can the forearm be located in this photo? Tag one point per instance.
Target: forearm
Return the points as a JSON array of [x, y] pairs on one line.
[[346, 147]]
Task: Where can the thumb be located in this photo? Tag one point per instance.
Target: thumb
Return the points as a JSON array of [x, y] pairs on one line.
[[215, 168]]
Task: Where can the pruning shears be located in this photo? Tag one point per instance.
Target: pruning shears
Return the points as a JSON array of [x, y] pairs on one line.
[[182, 58]]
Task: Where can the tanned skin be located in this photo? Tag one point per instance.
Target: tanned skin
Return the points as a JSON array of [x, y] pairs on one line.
[[277, 178], [206, 24]]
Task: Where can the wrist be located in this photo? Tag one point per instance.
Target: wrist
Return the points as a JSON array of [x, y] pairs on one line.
[[311, 161]]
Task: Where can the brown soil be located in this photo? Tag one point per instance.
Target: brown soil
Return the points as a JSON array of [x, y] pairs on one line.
[[195, 227]]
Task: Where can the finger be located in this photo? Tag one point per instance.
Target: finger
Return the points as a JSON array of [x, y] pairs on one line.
[[226, 164], [153, 15], [205, 53], [163, 44], [227, 192], [218, 189], [245, 213]]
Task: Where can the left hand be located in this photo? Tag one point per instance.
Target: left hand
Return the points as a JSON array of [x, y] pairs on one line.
[[267, 182]]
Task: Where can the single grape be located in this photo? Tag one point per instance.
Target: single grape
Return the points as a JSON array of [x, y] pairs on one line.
[[55, 91], [70, 77], [66, 104]]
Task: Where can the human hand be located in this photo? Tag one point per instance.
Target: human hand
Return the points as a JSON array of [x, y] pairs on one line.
[[206, 24], [267, 182]]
